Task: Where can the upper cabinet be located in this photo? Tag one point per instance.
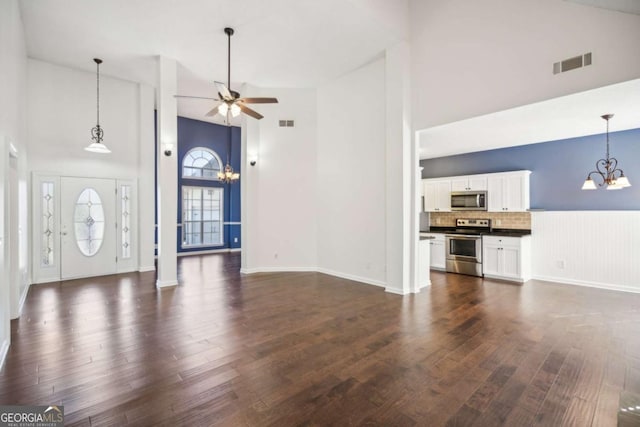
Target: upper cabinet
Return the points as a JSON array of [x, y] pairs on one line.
[[437, 195], [469, 183], [508, 191]]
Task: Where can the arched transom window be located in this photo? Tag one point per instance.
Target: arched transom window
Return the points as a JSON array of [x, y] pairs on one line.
[[201, 163]]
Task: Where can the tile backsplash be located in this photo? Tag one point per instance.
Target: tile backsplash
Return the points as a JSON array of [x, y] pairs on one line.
[[514, 220]]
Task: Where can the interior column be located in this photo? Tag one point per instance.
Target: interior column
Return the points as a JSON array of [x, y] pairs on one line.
[[401, 242], [167, 186]]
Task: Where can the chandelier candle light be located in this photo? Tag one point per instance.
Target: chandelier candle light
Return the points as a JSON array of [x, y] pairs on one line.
[[608, 170], [97, 133], [228, 176]]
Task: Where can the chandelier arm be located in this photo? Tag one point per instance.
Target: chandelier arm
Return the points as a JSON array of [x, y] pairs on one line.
[[602, 163], [599, 173]]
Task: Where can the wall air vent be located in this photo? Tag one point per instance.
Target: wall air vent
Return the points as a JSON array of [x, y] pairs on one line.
[[286, 123], [572, 63]]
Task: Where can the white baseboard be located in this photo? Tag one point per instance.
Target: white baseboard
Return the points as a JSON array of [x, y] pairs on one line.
[[145, 268], [312, 269], [4, 349], [23, 299], [277, 270], [396, 291], [209, 251], [352, 277], [166, 283], [588, 284]]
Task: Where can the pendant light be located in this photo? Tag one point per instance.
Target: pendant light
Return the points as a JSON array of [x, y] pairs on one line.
[[607, 169], [97, 146], [228, 176]]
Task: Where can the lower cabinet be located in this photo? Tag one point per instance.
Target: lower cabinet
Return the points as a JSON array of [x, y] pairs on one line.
[[507, 258], [437, 255]]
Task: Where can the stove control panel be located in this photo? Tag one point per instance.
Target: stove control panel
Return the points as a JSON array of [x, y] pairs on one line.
[[473, 223]]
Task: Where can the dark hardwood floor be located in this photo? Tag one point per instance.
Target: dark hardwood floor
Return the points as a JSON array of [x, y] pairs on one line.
[[288, 349]]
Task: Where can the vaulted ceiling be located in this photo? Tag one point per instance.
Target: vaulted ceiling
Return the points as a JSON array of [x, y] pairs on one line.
[[278, 43]]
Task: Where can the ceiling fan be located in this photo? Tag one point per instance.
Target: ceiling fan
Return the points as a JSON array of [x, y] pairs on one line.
[[230, 101]]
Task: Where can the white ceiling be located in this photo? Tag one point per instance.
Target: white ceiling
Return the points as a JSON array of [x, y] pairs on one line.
[[278, 43], [286, 43], [560, 118], [626, 6]]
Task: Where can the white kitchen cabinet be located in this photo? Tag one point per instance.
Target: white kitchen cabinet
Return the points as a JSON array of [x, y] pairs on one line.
[[437, 195], [437, 255], [469, 183], [508, 191], [507, 258], [424, 257]]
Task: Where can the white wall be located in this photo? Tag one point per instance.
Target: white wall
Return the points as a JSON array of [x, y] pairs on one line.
[[591, 248], [12, 131], [279, 193], [475, 57], [62, 110], [351, 175]]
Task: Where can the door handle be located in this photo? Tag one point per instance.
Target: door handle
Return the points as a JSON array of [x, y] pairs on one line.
[[63, 233]]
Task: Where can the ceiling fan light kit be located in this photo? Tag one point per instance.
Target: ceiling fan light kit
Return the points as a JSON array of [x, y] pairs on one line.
[[231, 104], [97, 134]]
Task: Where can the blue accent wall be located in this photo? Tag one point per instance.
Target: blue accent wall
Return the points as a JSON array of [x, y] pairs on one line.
[[558, 168], [196, 133]]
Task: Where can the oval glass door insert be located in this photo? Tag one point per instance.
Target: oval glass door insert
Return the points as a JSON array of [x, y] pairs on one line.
[[88, 221]]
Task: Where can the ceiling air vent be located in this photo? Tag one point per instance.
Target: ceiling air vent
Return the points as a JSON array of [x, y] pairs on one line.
[[286, 123], [572, 63]]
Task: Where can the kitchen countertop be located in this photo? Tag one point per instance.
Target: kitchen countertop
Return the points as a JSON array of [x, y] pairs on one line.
[[506, 232], [427, 237]]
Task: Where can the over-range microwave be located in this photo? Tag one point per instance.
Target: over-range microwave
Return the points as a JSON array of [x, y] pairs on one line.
[[469, 201]]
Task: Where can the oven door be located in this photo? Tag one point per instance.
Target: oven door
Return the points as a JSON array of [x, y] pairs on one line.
[[464, 247]]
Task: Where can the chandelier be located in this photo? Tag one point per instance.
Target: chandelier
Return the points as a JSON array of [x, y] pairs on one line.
[[97, 133], [228, 176], [607, 169]]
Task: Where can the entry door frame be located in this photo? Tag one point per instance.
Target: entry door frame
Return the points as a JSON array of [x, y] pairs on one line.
[[50, 271]]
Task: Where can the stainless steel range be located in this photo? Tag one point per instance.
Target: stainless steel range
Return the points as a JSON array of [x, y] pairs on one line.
[[464, 246]]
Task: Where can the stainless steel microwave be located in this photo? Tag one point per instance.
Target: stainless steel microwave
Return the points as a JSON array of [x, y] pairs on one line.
[[469, 201]]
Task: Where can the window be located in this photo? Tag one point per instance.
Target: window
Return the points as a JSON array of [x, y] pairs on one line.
[[89, 222], [201, 163], [202, 216]]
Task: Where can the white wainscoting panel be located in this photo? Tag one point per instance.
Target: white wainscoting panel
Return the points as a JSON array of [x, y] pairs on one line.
[[589, 248]]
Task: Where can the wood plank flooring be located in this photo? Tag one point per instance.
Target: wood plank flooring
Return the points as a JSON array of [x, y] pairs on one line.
[[308, 349]]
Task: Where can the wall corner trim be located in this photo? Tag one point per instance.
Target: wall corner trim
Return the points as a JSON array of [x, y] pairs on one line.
[[23, 299], [588, 284], [166, 283], [4, 349]]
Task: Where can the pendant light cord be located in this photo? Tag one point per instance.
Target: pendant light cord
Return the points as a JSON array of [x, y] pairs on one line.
[[98, 61], [229, 60], [98, 92], [607, 140]]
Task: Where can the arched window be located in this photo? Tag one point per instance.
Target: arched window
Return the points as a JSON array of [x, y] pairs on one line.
[[201, 163]]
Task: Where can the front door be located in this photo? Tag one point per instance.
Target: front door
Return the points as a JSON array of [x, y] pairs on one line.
[[87, 227]]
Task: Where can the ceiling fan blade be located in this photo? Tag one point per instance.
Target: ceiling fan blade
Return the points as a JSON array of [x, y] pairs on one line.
[[259, 100], [248, 111], [213, 111], [196, 97], [224, 91]]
